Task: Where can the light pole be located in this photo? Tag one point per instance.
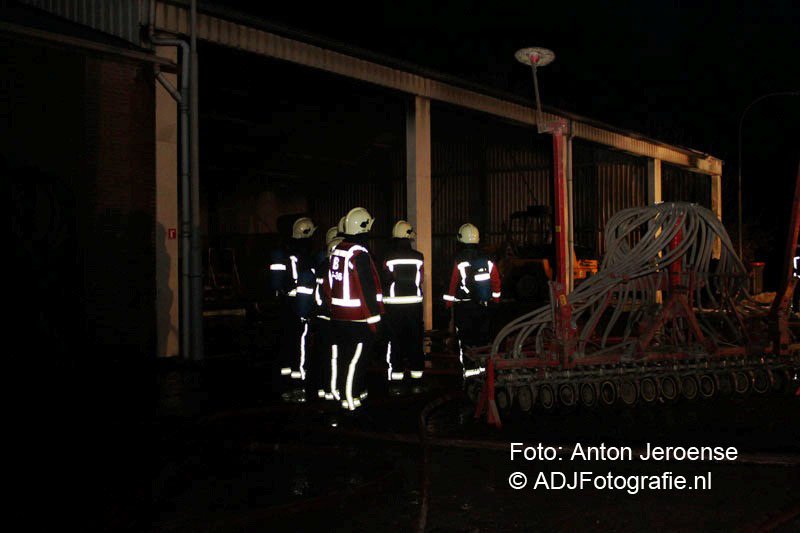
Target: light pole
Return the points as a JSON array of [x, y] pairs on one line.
[[741, 122], [535, 58]]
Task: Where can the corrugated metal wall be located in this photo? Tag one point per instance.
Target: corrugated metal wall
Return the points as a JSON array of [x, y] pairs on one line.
[[482, 171], [678, 184], [383, 196], [454, 192], [116, 17], [604, 182]]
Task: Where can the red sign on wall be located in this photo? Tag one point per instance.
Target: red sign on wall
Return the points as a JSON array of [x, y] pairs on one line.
[[172, 234]]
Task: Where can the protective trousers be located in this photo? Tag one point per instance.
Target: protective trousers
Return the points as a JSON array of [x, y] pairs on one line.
[[404, 347], [351, 344], [321, 367], [472, 329], [294, 338]]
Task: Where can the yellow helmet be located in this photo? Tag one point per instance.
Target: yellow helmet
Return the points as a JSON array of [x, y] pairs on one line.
[[469, 234], [330, 235], [403, 230], [303, 228], [358, 220], [340, 227]]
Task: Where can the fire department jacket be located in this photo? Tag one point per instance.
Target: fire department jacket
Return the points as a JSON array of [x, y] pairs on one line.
[[353, 287], [322, 307], [402, 274], [292, 274], [474, 279]]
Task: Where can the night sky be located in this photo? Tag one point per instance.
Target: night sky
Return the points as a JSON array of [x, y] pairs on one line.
[[681, 72]]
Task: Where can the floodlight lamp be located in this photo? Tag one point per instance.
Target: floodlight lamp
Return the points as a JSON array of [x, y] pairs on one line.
[[535, 57]]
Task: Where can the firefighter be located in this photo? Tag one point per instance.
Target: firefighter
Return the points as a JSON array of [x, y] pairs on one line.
[[355, 297], [321, 322], [474, 283], [402, 290], [293, 280]]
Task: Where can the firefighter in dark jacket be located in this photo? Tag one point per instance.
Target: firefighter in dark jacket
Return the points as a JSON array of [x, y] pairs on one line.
[[354, 292], [322, 319], [474, 283], [402, 299], [293, 280]]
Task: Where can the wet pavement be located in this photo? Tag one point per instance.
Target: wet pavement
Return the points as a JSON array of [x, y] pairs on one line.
[[175, 447]]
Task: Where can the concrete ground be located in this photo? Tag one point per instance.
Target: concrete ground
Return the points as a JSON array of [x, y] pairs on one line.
[[175, 447]]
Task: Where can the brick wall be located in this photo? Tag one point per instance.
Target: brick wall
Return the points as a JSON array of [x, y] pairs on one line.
[[120, 265], [79, 145]]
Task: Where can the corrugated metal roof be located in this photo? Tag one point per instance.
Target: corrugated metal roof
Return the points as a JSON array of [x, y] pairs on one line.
[[121, 18]]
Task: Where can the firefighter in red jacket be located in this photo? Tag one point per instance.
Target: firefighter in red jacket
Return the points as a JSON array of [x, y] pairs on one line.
[[474, 283], [354, 293], [402, 298], [322, 336]]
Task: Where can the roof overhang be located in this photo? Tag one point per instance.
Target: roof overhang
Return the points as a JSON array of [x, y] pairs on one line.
[[246, 33]]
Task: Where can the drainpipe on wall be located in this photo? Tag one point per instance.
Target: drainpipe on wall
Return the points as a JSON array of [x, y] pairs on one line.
[[196, 260]]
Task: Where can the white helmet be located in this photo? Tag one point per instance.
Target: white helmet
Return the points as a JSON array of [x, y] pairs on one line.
[[303, 228], [340, 226], [403, 230], [331, 234], [469, 234], [336, 241], [358, 220]]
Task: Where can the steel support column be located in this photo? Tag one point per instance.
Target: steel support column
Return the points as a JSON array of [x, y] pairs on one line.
[[562, 207], [654, 195], [653, 181], [418, 190], [716, 206]]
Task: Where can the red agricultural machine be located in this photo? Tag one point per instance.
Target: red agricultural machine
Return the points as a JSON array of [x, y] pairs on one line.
[[668, 315]]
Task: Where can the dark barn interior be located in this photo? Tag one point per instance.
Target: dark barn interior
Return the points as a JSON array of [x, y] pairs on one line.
[[300, 113]]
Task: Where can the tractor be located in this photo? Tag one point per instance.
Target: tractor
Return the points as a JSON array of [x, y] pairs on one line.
[[527, 255]]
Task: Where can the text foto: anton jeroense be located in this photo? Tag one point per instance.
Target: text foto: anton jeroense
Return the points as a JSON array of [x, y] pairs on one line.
[[583, 452]]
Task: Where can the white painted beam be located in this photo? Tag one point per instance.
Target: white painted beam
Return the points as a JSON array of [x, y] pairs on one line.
[[716, 207], [166, 147], [418, 190], [653, 181]]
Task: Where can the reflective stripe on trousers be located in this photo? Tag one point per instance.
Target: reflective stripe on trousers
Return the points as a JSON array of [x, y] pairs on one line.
[[301, 374], [334, 392], [351, 370]]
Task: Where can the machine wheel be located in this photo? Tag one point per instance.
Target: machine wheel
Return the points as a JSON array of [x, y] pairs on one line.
[[707, 385], [648, 390], [628, 392], [724, 383], [608, 393], [531, 287], [588, 394], [566, 394], [525, 398], [741, 382], [780, 380], [546, 396], [689, 386], [761, 382], [503, 399], [474, 390], [668, 385]]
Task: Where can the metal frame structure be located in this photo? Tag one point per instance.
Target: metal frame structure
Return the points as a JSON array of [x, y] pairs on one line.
[[232, 29], [236, 30]]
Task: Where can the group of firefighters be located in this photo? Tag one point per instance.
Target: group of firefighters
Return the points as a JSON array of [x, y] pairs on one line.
[[333, 303]]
